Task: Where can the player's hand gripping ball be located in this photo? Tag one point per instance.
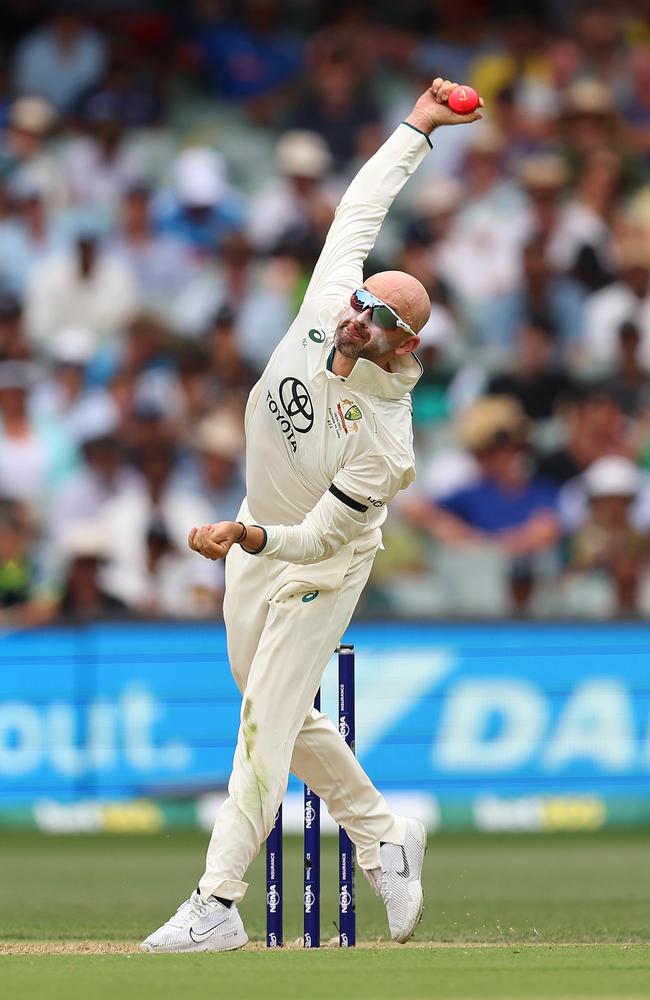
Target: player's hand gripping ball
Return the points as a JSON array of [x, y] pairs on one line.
[[463, 100]]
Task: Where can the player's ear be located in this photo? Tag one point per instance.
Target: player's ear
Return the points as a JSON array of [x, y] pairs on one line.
[[408, 346]]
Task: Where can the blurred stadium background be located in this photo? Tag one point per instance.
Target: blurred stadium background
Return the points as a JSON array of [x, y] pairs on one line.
[[167, 176]]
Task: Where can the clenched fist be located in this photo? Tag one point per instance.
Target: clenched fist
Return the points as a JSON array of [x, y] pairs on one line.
[[214, 540], [431, 108]]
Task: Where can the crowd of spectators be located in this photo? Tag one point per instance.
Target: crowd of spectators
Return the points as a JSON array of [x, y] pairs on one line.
[[167, 177]]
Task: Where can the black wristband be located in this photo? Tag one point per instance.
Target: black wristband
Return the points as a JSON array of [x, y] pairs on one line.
[[256, 552], [244, 533]]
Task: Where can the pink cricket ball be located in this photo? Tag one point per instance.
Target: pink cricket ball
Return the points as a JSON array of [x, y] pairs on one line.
[[463, 100]]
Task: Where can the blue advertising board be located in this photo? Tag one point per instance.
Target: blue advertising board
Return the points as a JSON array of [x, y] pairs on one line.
[[464, 713]]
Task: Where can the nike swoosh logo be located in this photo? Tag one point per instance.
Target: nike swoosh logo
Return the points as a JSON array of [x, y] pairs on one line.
[[406, 873], [204, 935]]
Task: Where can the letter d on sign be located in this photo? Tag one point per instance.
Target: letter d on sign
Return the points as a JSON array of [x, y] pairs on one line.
[[490, 725]]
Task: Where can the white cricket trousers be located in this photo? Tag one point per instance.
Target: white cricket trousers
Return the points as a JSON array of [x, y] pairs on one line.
[[279, 645]]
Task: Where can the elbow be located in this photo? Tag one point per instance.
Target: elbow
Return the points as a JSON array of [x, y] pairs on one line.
[[322, 548], [324, 544]]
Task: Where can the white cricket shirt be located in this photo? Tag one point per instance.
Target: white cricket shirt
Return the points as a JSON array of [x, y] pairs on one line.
[[325, 453]]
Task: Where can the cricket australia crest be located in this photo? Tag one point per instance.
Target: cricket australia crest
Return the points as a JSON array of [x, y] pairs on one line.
[[350, 415]]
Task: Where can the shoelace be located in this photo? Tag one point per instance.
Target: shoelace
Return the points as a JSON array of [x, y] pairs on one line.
[[382, 881], [189, 910]]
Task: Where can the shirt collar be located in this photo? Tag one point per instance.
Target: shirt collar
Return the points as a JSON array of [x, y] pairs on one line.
[[369, 378]]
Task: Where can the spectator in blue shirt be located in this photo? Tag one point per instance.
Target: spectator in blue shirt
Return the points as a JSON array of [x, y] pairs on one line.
[[60, 60], [506, 505], [202, 210], [250, 57]]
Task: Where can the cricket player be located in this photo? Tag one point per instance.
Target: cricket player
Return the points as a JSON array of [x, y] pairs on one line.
[[328, 443]]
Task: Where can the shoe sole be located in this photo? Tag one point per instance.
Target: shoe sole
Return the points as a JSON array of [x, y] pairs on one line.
[[198, 949]]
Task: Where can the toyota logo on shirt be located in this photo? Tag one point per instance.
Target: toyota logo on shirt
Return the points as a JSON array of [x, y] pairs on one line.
[[297, 404]]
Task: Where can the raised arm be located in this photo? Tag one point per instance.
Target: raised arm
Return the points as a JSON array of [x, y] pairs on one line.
[[364, 205]]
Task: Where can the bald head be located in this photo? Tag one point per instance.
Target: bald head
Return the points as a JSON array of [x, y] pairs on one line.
[[403, 293]]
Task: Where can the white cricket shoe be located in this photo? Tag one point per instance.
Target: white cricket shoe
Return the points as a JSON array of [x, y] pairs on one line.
[[399, 881], [199, 925]]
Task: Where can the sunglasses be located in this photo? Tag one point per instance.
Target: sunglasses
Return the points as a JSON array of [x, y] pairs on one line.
[[380, 313]]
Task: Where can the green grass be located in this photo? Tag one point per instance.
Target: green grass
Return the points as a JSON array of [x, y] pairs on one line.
[[478, 889], [509, 892], [610, 972]]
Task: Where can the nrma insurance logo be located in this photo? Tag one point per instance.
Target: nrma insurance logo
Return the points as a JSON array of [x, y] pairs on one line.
[[273, 898]]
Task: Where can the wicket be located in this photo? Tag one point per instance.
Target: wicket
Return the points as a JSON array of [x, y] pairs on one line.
[[311, 824]]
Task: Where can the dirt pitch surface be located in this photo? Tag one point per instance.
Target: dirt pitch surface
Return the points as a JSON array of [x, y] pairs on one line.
[[132, 948]]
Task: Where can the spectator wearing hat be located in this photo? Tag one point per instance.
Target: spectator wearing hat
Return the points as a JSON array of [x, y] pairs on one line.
[[587, 118], [506, 504], [589, 123], [25, 162], [544, 178], [505, 511], [68, 398], [82, 285], [85, 595], [217, 478], [201, 210], [61, 59], [608, 544], [36, 456], [27, 237], [298, 203], [545, 288], [127, 518]]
